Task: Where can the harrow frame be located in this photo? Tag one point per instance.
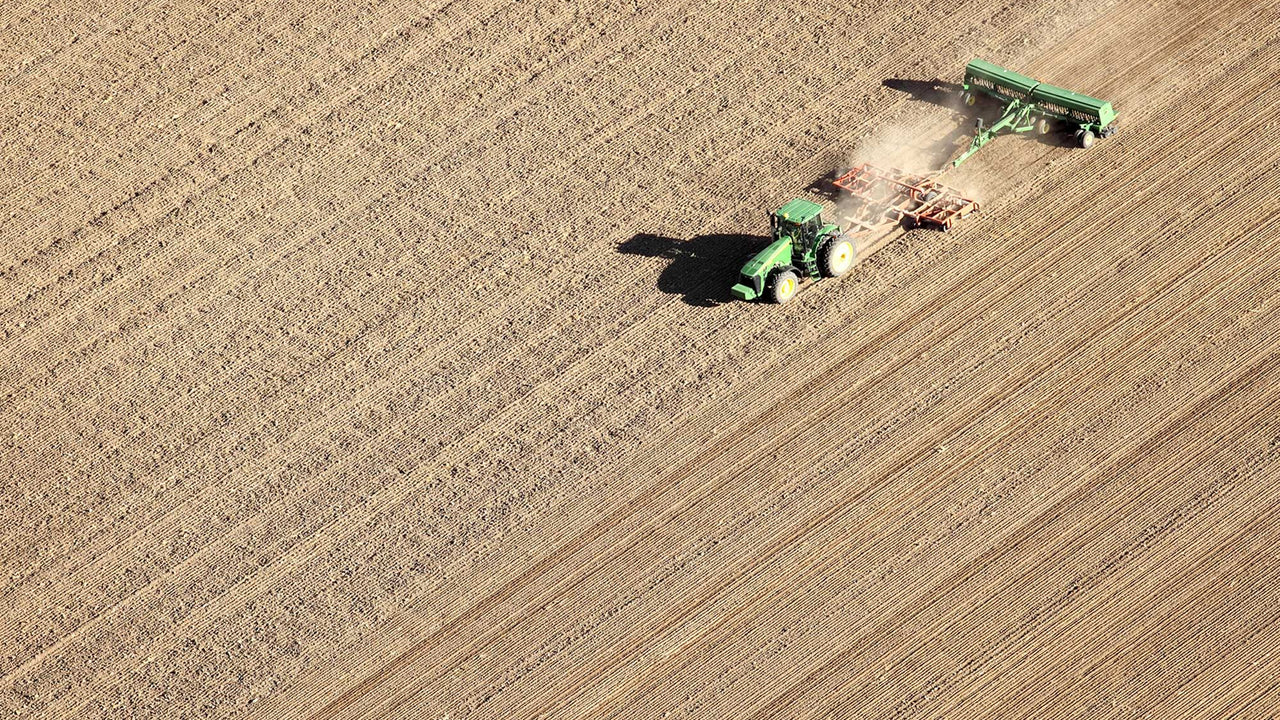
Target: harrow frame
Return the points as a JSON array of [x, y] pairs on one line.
[[912, 199]]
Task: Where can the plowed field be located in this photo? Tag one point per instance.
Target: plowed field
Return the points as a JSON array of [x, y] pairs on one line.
[[376, 360]]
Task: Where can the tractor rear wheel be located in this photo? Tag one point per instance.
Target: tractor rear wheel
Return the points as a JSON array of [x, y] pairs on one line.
[[782, 286], [836, 256], [1085, 138]]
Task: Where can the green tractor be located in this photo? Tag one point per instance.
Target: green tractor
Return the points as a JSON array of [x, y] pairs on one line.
[[801, 246]]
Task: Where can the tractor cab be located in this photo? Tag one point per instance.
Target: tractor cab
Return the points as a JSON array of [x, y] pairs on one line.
[[799, 220]]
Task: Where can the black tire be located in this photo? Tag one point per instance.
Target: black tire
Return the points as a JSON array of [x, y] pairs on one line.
[[1043, 127], [836, 255], [909, 223], [782, 286], [1085, 138]]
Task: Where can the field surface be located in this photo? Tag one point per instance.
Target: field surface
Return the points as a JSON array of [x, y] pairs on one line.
[[376, 360]]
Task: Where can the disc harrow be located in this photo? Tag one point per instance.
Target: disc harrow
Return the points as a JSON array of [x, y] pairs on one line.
[[912, 199]]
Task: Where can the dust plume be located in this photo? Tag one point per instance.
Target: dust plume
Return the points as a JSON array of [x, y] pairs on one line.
[[909, 146]]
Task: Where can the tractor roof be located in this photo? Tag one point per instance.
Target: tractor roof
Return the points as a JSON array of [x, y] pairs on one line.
[[799, 211]]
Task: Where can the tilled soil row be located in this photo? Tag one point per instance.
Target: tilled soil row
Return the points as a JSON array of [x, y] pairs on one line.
[[312, 518]]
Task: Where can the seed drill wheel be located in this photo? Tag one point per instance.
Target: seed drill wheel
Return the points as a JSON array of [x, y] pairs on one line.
[[1042, 126], [782, 286], [969, 99], [836, 256], [1085, 138]]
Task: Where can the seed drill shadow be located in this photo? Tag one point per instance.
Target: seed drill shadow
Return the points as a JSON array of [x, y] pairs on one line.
[[935, 92], [702, 268]]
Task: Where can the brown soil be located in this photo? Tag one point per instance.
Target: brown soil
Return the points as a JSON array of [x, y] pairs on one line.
[[362, 361]]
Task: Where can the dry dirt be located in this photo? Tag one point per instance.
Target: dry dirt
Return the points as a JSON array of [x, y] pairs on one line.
[[375, 360]]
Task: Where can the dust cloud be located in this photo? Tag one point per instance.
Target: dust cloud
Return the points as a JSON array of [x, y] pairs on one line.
[[909, 147]]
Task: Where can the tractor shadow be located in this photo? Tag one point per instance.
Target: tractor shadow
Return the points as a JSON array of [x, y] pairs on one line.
[[702, 268], [946, 95]]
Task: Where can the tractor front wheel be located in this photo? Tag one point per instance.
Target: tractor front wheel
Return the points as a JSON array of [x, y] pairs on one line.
[[836, 256], [782, 286]]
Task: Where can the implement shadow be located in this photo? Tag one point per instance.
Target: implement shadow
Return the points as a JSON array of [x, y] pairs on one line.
[[825, 186], [945, 95], [935, 92], [702, 268]]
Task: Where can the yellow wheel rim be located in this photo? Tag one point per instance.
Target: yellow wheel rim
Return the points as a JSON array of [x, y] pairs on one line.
[[844, 257], [788, 288], [970, 100]]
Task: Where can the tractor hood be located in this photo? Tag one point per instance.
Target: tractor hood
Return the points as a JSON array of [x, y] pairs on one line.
[[751, 281]]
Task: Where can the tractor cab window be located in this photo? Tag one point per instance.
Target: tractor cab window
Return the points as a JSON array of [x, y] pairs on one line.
[[800, 231], [809, 229], [784, 227]]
